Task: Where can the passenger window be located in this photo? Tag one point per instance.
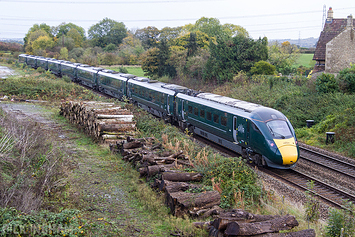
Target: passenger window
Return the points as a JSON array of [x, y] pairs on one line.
[[202, 113], [224, 121], [209, 116], [215, 118], [190, 109], [196, 111]]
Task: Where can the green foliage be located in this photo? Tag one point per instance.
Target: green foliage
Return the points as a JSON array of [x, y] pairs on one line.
[[231, 55], [123, 70], [283, 56], [44, 223], [234, 179], [326, 83], [110, 48], [149, 36], [263, 68], [107, 31], [341, 219], [346, 78], [312, 204]]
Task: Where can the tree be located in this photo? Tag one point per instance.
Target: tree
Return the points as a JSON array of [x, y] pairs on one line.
[[64, 53], [170, 34], [33, 36], [76, 36], [107, 31], [201, 39], [130, 50], [283, 56], [64, 29], [149, 36], [346, 78], [150, 62], [213, 28], [44, 27], [233, 54]]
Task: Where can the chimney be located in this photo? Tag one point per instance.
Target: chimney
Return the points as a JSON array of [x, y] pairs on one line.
[[350, 21], [330, 14]]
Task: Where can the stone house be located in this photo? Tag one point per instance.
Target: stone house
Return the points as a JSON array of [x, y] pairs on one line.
[[336, 45]]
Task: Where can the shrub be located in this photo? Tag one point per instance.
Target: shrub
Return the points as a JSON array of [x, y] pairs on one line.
[[346, 79], [263, 68], [326, 83]]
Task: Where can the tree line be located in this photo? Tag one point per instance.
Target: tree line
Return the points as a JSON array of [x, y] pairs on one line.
[[206, 49]]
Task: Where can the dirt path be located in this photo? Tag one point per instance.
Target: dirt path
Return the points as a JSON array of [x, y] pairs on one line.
[[97, 185]]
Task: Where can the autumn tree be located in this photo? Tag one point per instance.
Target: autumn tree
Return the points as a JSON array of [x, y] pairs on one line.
[[44, 41], [107, 31], [149, 36], [76, 36], [170, 34], [43, 28], [283, 56], [130, 50]]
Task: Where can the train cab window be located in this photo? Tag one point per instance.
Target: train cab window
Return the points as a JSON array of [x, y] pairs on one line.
[[224, 121], [216, 118], [209, 116], [202, 113], [190, 109], [196, 111], [279, 129]]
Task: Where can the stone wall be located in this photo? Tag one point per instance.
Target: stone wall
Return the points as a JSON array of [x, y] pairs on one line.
[[340, 51]]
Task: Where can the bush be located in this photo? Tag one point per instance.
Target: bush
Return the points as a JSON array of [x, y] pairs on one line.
[[263, 68], [346, 79], [326, 83]]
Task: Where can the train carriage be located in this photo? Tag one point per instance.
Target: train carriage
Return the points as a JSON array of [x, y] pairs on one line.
[[112, 83], [42, 62], [69, 69], [22, 58], [54, 66], [32, 61], [152, 96], [87, 75]]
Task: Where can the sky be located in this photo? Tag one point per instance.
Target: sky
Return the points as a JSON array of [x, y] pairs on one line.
[[274, 19]]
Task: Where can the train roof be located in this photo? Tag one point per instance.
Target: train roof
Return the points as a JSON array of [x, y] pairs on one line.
[[153, 85], [240, 104], [112, 74], [254, 112]]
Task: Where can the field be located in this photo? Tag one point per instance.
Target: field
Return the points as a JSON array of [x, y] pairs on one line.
[[135, 70], [305, 60]]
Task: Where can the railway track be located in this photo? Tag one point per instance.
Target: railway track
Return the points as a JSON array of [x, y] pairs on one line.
[[328, 193], [328, 162]]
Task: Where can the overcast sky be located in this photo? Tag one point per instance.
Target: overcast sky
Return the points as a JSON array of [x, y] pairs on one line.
[[274, 19]]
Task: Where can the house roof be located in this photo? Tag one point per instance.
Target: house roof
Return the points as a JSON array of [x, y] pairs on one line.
[[331, 29]]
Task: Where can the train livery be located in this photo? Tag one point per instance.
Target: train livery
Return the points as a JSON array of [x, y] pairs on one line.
[[261, 134]]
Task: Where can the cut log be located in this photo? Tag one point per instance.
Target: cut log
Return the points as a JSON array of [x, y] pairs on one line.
[[239, 216], [302, 233], [172, 187], [181, 202], [121, 117], [182, 176], [132, 145], [274, 225], [155, 169]]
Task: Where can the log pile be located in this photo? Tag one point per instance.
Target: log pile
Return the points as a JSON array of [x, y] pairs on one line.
[[241, 223], [183, 195], [103, 121]]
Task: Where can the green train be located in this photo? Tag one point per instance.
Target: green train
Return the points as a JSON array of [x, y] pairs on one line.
[[261, 134]]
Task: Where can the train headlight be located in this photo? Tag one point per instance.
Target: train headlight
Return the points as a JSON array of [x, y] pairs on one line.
[[272, 145]]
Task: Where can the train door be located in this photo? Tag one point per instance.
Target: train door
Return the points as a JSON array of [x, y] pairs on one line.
[[241, 131]]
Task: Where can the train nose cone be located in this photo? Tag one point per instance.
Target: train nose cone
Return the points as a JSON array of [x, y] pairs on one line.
[[288, 150]]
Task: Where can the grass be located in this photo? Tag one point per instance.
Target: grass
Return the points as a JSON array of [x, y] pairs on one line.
[[135, 70], [306, 60]]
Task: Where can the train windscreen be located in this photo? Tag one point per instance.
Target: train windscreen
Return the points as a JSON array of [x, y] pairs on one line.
[[279, 129]]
